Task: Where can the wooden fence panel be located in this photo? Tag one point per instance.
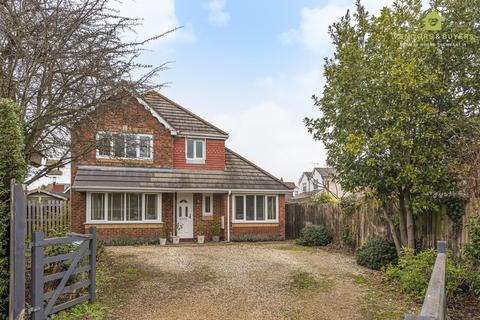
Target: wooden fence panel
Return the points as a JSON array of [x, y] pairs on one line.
[[367, 222], [47, 215]]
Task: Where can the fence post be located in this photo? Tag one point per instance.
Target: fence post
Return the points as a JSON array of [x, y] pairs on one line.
[[17, 252], [93, 261], [37, 276]]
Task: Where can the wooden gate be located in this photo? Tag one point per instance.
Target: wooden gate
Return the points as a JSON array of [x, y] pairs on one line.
[[45, 303]]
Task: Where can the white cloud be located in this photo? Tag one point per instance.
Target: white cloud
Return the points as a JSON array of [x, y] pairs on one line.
[[156, 17], [312, 31], [272, 136], [217, 15]]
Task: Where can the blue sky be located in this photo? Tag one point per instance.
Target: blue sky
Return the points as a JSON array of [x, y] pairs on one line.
[[250, 67]]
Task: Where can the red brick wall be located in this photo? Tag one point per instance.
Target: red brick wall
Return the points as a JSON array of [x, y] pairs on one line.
[[215, 155], [113, 118], [218, 211]]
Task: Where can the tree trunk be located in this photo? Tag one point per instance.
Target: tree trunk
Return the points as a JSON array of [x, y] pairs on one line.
[[402, 214], [410, 221], [393, 230]]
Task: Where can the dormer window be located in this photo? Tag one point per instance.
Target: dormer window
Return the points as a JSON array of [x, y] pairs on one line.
[[195, 150], [124, 145]]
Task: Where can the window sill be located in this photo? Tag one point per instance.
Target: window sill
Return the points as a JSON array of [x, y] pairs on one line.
[[195, 161], [207, 217], [255, 224]]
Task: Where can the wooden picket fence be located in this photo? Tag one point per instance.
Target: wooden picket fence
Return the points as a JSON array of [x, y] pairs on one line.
[[47, 215]]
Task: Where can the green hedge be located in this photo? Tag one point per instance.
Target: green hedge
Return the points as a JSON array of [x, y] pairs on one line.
[[12, 166]]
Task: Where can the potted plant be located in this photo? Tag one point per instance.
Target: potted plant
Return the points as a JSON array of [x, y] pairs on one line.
[[201, 233], [176, 239], [215, 230], [163, 237]]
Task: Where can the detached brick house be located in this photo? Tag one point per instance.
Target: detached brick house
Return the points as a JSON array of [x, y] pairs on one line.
[[155, 164]]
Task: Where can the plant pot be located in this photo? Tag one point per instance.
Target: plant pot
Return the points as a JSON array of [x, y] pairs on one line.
[[216, 238], [176, 239], [200, 239], [163, 241]]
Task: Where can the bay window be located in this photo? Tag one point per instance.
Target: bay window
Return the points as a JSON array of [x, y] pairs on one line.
[[255, 208], [124, 145], [120, 207]]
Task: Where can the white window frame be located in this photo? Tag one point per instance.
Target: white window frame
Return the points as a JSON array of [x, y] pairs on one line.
[[195, 159], [205, 213], [105, 219], [265, 212], [137, 136]]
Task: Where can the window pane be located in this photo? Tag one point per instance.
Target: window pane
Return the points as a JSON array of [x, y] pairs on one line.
[[144, 147], [119, 145], [97, 206], [199, 149], [151, 212], [239, 207], [134, 206], [260, 207], [131, 141], [115, 206], [190, 148], [208, 204], [103, 144], [272, 208], [250, 206]]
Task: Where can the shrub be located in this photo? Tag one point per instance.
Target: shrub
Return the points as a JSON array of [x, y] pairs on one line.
[[215, 229], [377, 253], [324, 198], [12, 166], [314, 235], [413, 273], [472, 250]]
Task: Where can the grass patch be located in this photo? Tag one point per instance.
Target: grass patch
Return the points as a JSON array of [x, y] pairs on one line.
[[115, 282], [382, 301], [296, 248], [302, 281]]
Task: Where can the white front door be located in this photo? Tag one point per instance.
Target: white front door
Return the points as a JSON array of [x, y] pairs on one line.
[[185, 214]]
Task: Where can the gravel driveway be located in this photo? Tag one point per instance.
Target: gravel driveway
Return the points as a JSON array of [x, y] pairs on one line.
[[240, 281]]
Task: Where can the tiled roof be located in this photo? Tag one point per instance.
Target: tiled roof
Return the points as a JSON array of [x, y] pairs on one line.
[[184, 121], [239, 174], [326, 172]]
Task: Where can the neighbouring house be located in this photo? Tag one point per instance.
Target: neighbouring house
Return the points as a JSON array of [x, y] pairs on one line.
[[316, 181], [52, 191], [155, 165]]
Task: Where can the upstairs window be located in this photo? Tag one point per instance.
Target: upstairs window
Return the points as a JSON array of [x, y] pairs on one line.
[[124, 145], [195, 150]]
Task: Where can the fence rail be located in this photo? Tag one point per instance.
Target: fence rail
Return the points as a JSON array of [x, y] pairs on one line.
[[366, 222], [47, 215], [435, 302]]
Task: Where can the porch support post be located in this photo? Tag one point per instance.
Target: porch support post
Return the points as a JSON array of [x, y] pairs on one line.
[[228, 215]]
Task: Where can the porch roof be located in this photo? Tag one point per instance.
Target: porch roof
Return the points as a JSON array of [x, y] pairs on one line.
[[239, 174]]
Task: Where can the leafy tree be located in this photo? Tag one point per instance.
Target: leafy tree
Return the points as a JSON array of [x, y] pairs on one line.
[[389, 110], [12, 166], [61, 59]]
